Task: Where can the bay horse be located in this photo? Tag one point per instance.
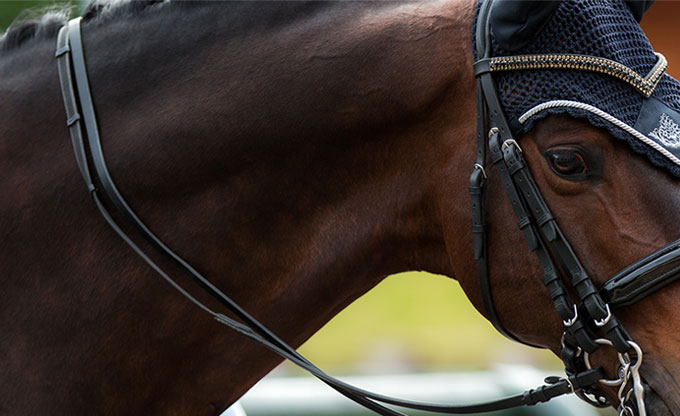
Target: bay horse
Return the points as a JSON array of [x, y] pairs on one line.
[[296, 153]]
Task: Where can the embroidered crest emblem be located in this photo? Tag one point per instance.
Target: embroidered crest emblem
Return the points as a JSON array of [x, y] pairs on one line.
[[668, 132]]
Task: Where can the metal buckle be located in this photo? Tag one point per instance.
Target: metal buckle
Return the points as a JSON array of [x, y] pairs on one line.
[[602, 322], [492, 131], [480, 167], [507, 144], [570, 322]]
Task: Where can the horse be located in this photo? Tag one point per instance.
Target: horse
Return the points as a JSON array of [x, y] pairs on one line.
[[296, 153]]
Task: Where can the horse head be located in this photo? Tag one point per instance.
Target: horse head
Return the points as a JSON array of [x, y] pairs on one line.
[[597, 129]]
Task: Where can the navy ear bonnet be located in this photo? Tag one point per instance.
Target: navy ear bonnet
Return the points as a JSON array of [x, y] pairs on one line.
[[588, 59]]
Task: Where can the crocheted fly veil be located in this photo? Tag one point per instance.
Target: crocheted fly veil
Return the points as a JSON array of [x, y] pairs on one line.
[[591, 60]]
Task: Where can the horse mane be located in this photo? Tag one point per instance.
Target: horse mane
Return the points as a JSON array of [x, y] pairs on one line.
[[27, 27], [44, 22]]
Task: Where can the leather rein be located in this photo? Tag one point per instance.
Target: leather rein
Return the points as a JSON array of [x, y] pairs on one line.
[[630, 285]]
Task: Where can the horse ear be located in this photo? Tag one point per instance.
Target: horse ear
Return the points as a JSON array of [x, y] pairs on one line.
[[515, 23], [639, 7]]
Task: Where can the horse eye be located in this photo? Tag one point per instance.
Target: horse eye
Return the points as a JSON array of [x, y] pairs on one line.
[[567, 163]]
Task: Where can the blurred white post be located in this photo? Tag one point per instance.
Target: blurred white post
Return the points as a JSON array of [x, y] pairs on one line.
[[234, 410]]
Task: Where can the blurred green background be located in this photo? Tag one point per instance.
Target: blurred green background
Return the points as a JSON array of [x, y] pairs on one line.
[[416, 322], [10, 9]]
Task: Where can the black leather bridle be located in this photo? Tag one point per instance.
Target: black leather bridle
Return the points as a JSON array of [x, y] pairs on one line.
[[589, 321], [579, 338]]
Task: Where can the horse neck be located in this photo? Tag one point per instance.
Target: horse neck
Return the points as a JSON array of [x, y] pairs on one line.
[[311, 161], [296, 167], [308, 170]]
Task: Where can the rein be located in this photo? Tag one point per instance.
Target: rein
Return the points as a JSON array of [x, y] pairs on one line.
[[631, 284]]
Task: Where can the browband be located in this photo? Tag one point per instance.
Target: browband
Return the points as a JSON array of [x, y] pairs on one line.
[[644, 85]]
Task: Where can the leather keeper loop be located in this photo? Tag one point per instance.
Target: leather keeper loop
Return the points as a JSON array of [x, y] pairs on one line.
[[583, 337]]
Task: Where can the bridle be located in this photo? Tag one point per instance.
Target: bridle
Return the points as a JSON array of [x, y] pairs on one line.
[[580, 340], [588, 322]]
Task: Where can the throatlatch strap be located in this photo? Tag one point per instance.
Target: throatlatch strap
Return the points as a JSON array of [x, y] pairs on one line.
[[477, 190]]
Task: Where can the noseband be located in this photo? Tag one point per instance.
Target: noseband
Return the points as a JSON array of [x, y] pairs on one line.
[[588, 321], [583, 322]]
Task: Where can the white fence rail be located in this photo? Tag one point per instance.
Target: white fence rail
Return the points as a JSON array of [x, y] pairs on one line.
[[305, 396]]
